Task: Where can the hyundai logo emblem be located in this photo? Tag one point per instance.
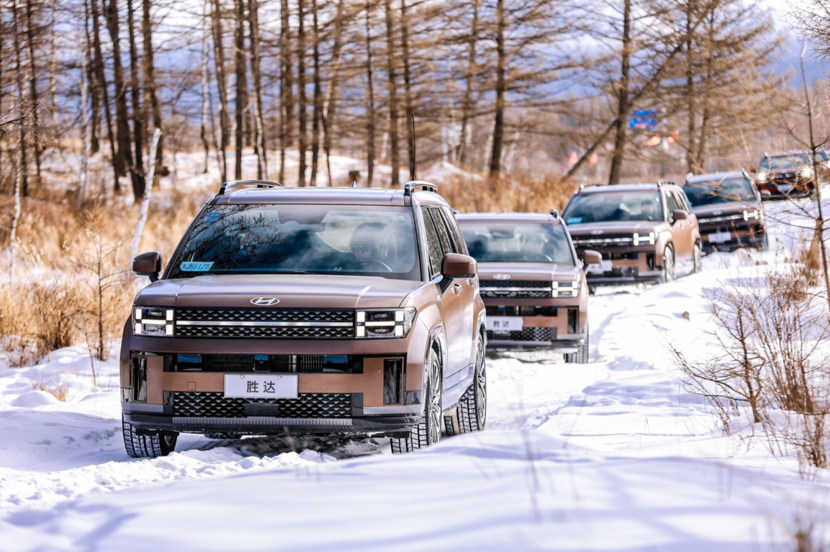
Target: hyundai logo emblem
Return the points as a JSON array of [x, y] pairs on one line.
[[264, 301], [501, 277]]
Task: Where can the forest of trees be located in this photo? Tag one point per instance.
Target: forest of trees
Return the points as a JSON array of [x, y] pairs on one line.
[[480, 82]]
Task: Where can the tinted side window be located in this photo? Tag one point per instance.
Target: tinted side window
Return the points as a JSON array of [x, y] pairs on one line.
[[455, 232], [433, 244], [443, 233], [671, 202]]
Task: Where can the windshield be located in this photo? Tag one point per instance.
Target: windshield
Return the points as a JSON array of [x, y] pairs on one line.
[[517, 242], [300, 239], [794, 161], [727, 190], [614, 206]]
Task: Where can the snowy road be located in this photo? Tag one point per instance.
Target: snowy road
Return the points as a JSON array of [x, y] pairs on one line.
[[611, 455]]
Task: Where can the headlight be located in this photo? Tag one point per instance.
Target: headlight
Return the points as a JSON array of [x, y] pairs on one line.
[[384, 323], [153, 321], [643, 239], [756, 214], [565, 289], [806, 172], [762, 176]]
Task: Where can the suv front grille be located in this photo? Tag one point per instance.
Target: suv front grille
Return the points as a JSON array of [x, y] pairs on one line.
[[515, 288], [272, 323], [216, 405], [603, 240], [526, 334]]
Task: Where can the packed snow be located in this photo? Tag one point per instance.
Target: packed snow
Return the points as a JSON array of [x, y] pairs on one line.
[[610, 455]]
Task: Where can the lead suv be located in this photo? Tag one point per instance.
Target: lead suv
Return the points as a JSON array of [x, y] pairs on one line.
[[645, 232], [337, 311], [531, 282]]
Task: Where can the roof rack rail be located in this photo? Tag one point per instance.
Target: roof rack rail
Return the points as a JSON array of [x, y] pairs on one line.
[[554, 213], [666, 183], [231, 185], [415, 185], [592, 185]]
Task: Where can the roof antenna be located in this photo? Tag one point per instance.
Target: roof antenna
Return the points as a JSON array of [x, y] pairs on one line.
[[354, 183], [412, 155]]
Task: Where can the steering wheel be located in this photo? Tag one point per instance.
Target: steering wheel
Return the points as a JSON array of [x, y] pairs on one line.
[[369, 264]]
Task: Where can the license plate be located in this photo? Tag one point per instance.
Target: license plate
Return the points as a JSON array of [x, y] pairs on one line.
[[605, 266], [720, 237], [785, 187], [504, 324], [250, 386]]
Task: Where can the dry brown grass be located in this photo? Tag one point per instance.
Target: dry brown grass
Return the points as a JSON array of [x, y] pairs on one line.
[[522, 196]]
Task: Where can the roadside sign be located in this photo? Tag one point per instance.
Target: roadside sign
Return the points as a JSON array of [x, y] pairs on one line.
[[643, 119]]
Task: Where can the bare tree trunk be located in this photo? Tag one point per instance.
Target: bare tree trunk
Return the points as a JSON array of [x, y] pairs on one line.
[[370, 108], [94, 89], [219, 62], [145, 199], [623, 106], [150, 96], [138, 130], [15, 218], [286, 87], [241, 86], [256, 71], [22, 168], [393, 95], [318, 99], [34, 97], [302, 100], [334, 80], [407, 83], [204, 82], [498, 126], [467, 109], [122, 125], [707, 86], [86, 142], [691, 163], [118, 167]]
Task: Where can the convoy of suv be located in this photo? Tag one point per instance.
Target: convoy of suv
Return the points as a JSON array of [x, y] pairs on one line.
[[368, 311]]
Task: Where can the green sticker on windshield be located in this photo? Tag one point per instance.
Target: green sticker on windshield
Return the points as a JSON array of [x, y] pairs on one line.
[[196, 267]]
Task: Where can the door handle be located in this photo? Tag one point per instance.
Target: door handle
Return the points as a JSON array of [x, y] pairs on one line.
[[456, 288]]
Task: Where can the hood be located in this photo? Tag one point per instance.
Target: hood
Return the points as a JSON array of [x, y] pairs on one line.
[[619, 227], [526, 271], [293, 291]]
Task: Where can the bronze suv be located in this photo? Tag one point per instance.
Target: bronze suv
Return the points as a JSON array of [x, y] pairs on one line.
[[307, 311], [531, 281], [645, 232]]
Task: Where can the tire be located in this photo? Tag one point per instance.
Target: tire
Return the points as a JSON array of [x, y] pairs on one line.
[[472, 406], [582, 354], [149, 445], [696, 256], [668, 265], [428, 430]]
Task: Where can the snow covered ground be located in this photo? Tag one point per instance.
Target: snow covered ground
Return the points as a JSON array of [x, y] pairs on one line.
[[611, 455]]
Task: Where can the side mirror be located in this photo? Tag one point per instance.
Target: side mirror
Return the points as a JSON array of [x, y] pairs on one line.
[[590, 257], [456, 265], [766, 194], [679, 214], [148, 264]]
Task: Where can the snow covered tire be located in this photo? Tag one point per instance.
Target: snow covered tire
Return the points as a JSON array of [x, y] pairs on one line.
[[428, 430], [149, 445], [582, 354], [472, 406]]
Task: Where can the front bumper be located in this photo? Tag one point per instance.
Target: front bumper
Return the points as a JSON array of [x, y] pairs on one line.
[[162, 418]]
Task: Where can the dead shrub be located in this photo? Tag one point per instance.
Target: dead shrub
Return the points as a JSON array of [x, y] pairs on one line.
[[769, 336]]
